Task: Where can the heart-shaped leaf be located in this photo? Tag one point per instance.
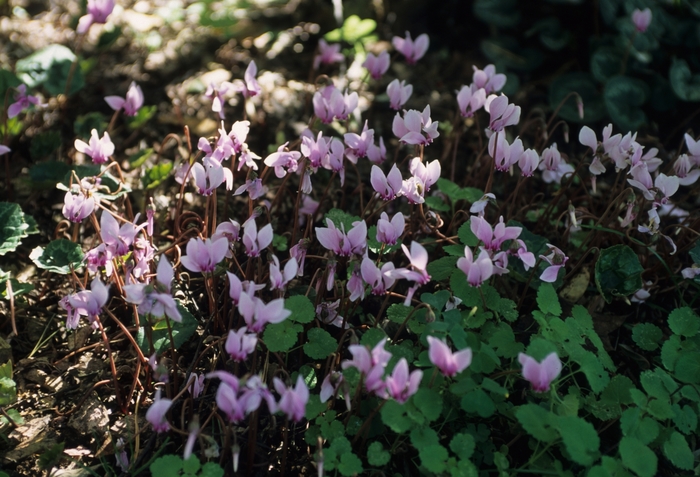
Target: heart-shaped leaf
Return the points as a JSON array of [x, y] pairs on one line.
[[623, 97]]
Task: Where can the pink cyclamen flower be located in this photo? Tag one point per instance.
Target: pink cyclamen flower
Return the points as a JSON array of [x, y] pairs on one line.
[[217, 95], [330, 103], [278, 278], [131, 104], [528, 162], [118, 239], [493, 238], [196, 385], [97, 12], [412, 50], [210, 174], [204, 255], [240, 344], [358, 144], [415, 127], [502, 114], [257, 314], [85, 303], [477, 271], [388, 232], [283, 160], [370, 363], [428, 173], [377, 153], [22, 101], [399, 93], [488, 79], [342, 243], [450, 364], [377, 278], [293, 400], [327, 54], [155, 299], [541, 374], [98, 149], [255, 242], [4, 149], [387, 186], [641, 19], [400, 385], [77, 207], [156, 413], [470, 99], [556, 259], [249, 87], [377, 65]]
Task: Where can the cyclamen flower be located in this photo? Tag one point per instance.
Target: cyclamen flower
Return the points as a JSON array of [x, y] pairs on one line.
[[254, 241], [502, 113], [528, 162], [450, 364], [249, 87], [315, 150], [240, 344], [211, 174], [118, 239], [399, 93], [217, 94], [488, 79], [283, 161], [493, 238], [412, 50], [330, 103], [22, 101], [204, 255], [131, 104], [400, 385], [356, 285], [379, 279], [693, 148], [98, 149], [85, 303], [377, 65], [477, 271], [428, 173], [254, 187], [293, 400], [370, 363], [541, 374], [377, 154], [411, 127], [328, 54], [641, 19], [257, 314], [388, 232], [156, 413], [358, 144], [388, 187], [97, 12], [683, 168], [556, 259], [77, 207], [341, 243], [155, 299], [418, 258], [278, 279], [470, 99], [4, 149]]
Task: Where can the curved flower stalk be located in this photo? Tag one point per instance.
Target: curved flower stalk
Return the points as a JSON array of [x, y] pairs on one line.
[[541, 374]]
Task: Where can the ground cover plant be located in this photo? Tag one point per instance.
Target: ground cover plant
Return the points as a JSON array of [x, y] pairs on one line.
[[316, 253]]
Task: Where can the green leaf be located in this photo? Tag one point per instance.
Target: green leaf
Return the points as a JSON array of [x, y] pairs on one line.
[[15, 416], [58, 256], [301, 307], [156, 175], [50, 67], [685, 84], [456, 193], [8, 387], [504, 343], [687, 368], [51, 456], [44, 144], [499, 13], [182, 331], [618, 272], [434, 458], [394, 416], [137, 160], [376, 455], [168, 465], [436, 300], [429, 402], [463, 445], [436, 203], [624, 97], [478, 402], [580, 439], [695, 253], [547, 300], [7, 80], [468, 294], [618, 390], [372, 336], [144, 114], [191, 465], [466, 236], [685, 419], [280, 337], [350, 464], [683, 321], [353, 30], [211, 469], [669, 352], [678, 451], [585, 86], [506, 308], [13, 227], [605, 63], [423, 436], [638, 457], [341, 217], [591, 366], [647, 336], [442, 268], [537, 422], [320, 345], [398, 313]]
